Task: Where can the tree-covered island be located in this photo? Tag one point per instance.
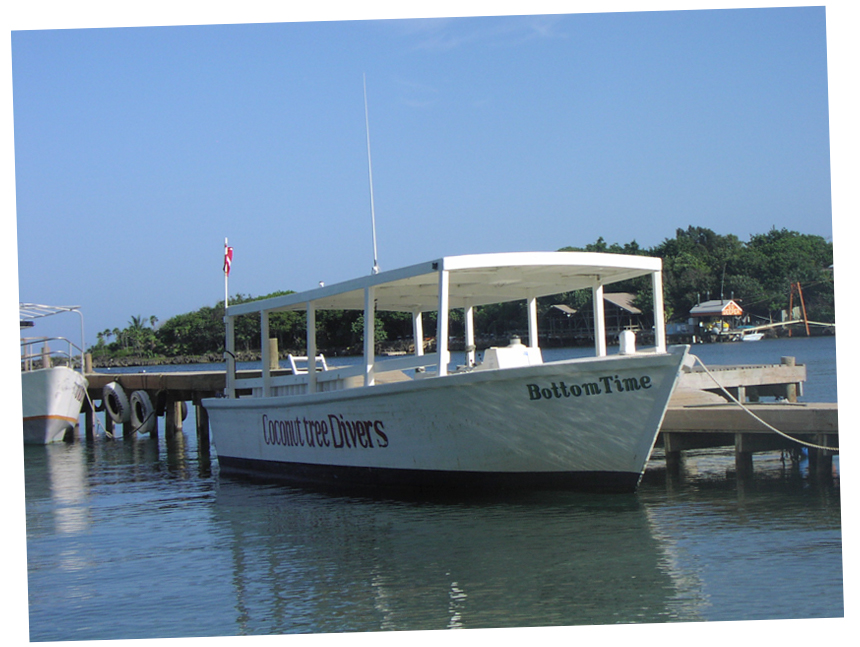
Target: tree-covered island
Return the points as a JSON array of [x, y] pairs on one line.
[[698, 265]]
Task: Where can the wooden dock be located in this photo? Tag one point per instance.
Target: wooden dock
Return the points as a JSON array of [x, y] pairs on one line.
[[700, 415], [728, 425]]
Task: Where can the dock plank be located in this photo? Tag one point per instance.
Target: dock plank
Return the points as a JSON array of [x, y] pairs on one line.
[[747, 375], [790, 418]]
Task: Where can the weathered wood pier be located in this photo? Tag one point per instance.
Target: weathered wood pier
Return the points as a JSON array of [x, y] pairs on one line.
[[700, 414]]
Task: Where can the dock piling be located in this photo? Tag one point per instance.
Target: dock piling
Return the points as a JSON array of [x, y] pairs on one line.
[[790, 389], [89, 420], [173, 417], [202, 430]]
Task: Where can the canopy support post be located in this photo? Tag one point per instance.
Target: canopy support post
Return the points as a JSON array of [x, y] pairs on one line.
[[264, 353], [442, 323], [312, 347], [659, 321], [369, 336], [418, 332], [470, 335], [533, 322], [599, 321]]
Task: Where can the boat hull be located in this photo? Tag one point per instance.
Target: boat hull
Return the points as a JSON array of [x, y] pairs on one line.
[[406, 480], [585, 424], [51, 402]]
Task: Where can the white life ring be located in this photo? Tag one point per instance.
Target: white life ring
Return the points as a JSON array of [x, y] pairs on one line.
[[116, 403], [142, 412]]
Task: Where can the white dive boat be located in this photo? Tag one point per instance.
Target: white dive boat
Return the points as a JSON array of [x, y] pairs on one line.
[[51, 396], [511, 421]]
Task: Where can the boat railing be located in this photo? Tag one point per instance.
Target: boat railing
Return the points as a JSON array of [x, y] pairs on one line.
[[331, 378], [36, 353], [295, 360]]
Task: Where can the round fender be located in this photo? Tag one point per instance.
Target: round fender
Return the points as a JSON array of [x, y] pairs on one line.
[[142, 412], [116, 403]]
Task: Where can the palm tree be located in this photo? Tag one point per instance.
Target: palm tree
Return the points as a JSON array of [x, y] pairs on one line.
[[135, 331]]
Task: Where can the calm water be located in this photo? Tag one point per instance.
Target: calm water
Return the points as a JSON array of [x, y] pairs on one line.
[[143, 539]]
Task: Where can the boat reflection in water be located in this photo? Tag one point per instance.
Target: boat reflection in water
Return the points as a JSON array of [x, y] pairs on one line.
[[144, 527], [309, 562]]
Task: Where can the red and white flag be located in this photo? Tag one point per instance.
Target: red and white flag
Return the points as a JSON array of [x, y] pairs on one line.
[[228, 259]]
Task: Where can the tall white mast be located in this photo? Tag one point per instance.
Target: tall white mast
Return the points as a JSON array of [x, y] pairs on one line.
[[370, 177]]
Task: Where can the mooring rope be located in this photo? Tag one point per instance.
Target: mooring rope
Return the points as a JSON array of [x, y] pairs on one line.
[[96, 418], [756, 417]]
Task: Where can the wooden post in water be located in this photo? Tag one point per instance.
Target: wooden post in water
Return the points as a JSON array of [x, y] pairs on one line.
[[202, 430], [170, 418], [89, 421], [672, 449], [743, 456], [154, 433], [821, 460], [178, 406], [790, 389]]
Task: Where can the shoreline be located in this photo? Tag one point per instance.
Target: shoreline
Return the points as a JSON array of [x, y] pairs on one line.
[[395, 348]]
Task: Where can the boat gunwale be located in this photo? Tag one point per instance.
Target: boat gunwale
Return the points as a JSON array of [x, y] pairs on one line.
[[451, 380]]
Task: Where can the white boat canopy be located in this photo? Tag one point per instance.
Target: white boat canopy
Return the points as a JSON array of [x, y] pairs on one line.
[[30, 311], [472, 280], [461, 282]]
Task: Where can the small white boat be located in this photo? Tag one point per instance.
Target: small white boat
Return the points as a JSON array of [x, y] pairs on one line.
[[51, 395], [510, 421], [752, 336]]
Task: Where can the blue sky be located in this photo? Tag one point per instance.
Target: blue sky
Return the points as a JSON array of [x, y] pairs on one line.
[[138, 150]]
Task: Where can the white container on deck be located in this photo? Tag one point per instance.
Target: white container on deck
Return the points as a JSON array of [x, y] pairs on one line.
[[627, 342], [513, 355]]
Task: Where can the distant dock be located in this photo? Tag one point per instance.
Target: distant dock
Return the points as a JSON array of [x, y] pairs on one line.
[[700, 415]]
